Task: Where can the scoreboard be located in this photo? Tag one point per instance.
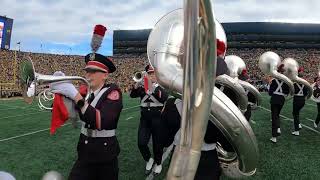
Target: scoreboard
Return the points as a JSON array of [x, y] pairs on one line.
[[5, 32]]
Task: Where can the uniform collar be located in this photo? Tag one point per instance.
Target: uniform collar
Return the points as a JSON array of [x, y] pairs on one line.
[[96, 91]]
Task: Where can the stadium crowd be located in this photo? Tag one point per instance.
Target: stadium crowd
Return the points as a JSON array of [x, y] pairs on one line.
[[128, 64]]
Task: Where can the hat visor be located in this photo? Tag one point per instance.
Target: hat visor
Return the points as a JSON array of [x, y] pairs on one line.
[[94, 68]]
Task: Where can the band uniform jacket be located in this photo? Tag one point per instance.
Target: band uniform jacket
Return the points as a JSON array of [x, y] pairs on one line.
[[159, 94], [278, 90], [300, 92], [107, 111]]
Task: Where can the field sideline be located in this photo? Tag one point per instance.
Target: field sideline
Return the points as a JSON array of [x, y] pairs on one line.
[[28, 151]]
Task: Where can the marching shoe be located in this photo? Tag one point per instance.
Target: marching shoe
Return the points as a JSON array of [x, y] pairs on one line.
[[149, 166], [296, 133], [273, 139], [157, 169], [279, 131], [300, 127], [315, 125]]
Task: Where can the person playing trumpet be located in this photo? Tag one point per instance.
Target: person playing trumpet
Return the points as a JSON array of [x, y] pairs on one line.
[[153, 98]]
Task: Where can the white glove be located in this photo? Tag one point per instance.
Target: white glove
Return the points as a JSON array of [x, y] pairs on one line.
[[31, 90], [58, 73], [65, 88]]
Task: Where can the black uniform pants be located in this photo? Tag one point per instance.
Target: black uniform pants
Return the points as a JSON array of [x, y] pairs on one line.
[[275, 116], [297, 106], [318, 116], [209, 167], [150, 124], [95, 171], [247, 114]]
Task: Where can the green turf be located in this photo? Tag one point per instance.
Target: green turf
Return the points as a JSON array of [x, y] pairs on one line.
[[29, 157]]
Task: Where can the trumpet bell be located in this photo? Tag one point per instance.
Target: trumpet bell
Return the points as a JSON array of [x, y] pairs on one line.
[[138, 77], [27, 80]]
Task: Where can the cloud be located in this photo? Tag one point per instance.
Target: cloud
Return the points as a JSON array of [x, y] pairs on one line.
[[70, 22]]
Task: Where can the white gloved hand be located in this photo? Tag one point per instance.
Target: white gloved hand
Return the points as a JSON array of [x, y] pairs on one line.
[[58, 73], [65, 88], [31, 90]]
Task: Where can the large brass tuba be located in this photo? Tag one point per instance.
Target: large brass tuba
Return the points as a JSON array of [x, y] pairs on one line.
[[291, 67], [29, 80], [168, 50], [268, 64], [236, 66]]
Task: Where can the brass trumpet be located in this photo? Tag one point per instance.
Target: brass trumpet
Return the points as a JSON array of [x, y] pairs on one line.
[[29, 80], [138, 76]]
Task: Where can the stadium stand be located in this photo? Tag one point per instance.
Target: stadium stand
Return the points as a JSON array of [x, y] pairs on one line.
[[247, 40]]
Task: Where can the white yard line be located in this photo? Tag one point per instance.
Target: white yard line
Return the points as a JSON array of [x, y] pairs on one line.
[[310, 119], [18, 107], [27, 134], [21, 115]]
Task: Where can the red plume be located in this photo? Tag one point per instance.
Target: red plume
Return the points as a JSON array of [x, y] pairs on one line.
[[221, 48], [98, 34], [100, 30]]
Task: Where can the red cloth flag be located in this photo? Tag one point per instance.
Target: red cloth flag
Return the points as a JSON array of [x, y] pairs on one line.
[[59, 113]]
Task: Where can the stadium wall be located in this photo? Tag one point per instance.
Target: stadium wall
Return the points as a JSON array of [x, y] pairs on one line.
[[239, 35]]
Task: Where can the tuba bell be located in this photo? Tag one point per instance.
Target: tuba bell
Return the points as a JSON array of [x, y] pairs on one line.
[[291, 67], [167, 51], [268, 64], [29, 80], [236, 66]]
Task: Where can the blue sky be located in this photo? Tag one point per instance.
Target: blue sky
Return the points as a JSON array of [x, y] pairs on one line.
[[65, 26]]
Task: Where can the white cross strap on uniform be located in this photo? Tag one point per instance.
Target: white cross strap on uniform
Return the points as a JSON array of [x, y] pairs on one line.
[[278, 91], [300, 86], [94, 132], [154, 103]]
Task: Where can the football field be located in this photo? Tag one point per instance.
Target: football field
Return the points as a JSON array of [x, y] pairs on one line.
[[27, 150]]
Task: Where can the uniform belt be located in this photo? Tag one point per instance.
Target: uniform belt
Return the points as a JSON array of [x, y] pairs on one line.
[[208, 147], [279, 93], [299, 95], [96, 133], [150, 104]]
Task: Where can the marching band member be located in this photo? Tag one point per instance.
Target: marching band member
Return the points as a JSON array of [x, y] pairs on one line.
[[152, 100], [98, 147], [299, 99], [278, 90], [251, 99], [316, 94]]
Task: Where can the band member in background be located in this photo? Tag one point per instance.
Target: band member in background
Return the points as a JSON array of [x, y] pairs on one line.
[[316, 94], [278, 90], [98, 147], [251, 99], [299, 99], [153, 98]]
